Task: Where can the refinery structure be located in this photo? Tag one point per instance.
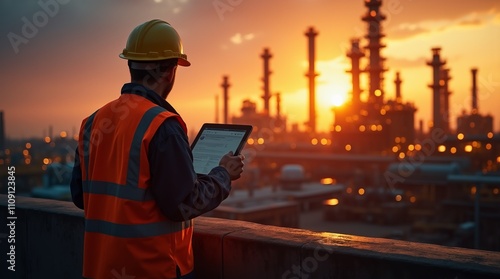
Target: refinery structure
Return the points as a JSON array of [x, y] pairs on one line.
[[376, 164], [376, 126], [388, 168]]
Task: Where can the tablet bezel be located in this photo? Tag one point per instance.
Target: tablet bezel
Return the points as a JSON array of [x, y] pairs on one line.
[[218, 126]]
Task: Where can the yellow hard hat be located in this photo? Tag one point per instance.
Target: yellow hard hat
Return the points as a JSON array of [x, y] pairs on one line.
[[154, 40]]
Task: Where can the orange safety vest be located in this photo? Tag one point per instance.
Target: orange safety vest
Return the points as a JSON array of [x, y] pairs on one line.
[[126, 234]]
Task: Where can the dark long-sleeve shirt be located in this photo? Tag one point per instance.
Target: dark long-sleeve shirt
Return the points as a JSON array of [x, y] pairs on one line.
[[180, 193]]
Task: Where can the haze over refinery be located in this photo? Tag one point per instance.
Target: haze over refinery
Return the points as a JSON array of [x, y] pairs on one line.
[[60, 58]]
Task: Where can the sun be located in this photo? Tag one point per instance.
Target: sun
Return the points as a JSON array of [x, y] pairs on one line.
[[333, 83], [338, 99], [332, 94]]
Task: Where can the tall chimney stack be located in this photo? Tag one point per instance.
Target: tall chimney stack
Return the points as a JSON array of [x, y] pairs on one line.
[[398, 82], [355, 54], [266, 56], [311, 75], [474, 91], [445, 97], [375, 67], [225, 86], [278, 105], [436, 63], [216, 108]]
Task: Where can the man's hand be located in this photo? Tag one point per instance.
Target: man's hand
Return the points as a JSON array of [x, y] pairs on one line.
[[233, 164]]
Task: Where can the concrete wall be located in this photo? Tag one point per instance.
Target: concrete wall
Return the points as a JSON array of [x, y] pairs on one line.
[[49, 237]]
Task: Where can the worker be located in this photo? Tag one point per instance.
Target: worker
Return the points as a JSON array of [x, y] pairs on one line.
[[134, 176]]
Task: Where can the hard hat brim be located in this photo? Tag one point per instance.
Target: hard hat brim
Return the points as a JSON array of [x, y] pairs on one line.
[[180, 61], [183, 62]]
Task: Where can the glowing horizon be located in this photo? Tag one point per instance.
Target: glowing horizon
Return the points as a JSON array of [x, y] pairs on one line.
[[70, 68]]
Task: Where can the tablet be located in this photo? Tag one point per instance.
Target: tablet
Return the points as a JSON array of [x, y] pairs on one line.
[[214, 141]]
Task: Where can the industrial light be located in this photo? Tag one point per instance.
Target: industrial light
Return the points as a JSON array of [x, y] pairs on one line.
[[327, 181], [332, 202], [468, 148]]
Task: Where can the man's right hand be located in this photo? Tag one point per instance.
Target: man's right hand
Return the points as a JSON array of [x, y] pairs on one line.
[[233, 164]]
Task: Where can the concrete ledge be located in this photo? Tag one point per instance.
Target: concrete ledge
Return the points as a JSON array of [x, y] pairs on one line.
[[49, 238]]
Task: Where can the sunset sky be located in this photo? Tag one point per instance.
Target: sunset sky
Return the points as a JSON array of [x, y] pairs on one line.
[[68, 66]]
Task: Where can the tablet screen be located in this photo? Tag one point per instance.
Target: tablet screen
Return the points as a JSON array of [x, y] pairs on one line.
[[214, 141]]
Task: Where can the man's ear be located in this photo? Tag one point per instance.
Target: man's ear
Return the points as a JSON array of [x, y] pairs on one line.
[[170, 74]]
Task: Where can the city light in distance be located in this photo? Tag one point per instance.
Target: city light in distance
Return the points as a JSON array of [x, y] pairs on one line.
[[468, 148], [332, 202], [442, 148], [328, 181]]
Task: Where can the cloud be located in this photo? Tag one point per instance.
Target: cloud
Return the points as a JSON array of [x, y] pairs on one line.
[[175, 6], [238, 38], [407, 30], [398, 63], [470, 20]]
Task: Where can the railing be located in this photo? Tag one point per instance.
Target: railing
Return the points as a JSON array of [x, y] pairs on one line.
[[49, 237]]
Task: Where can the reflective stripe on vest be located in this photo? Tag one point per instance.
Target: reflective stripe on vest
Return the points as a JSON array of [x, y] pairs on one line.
[[132, 231], [128, 191], [124, 227]]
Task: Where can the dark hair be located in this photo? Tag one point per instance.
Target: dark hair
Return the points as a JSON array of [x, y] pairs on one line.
[[142, 75]]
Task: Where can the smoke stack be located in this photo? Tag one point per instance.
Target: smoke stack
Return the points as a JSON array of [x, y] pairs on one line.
[[266, 56], [355, 54], [445, 97], [375, 67], [278, 105], [398, 82], [225, 86], [216, 108], [474, 90], [311, 74], [436, 63]]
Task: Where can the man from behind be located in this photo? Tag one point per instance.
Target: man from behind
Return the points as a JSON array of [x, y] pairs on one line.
[[134, 175]]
